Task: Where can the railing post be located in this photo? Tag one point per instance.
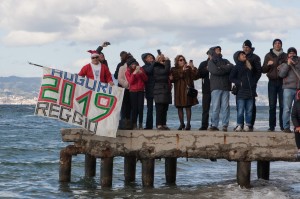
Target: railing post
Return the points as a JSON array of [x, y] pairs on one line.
[[65, 164], [243, 174], [263, 170], [148, 172], [129, 168], [170, 170], [106, 172], [90, 165]]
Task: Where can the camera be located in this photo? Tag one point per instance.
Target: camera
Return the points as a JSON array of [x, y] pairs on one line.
[[107, 43], [295, 59]]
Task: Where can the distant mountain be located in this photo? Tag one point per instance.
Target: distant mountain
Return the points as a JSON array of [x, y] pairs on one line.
[[24, 90]]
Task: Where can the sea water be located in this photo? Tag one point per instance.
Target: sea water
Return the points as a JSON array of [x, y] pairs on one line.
[[29, 166]]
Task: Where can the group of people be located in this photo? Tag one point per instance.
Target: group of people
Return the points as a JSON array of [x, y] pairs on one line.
[[156, 78]]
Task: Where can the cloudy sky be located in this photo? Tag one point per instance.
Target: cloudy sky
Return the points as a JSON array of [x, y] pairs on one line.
[[57, 33]]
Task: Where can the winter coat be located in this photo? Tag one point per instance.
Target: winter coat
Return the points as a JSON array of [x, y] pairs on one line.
[[181, 80], [290, 79], [204, 74], [244, 79], [122, 81], [296, 113], [148, 67], [256, 66], [219, 69], [162, 86], [105, 75], [136, 81], [271, 70]]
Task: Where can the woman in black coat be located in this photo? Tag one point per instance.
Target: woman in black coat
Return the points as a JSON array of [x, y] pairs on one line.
[[162, 90]]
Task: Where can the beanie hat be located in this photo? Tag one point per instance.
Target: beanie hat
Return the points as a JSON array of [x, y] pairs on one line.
[[277, 40], [292, 49], [131, 61], [123, 53], [247, 43], [94, 53]]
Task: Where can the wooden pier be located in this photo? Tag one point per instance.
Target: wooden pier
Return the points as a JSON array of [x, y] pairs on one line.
[[148, 145]]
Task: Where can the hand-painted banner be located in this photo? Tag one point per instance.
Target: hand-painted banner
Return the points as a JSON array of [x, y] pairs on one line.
[[84, 102]]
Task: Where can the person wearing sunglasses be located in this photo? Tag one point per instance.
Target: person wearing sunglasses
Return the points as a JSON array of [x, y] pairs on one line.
[[96, 70], [183, 76]]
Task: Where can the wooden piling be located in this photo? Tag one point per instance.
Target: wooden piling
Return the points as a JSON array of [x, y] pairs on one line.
[[243, 173], [90, 165], [148, 172], [170, 170], [65, 166], [129, 168], [106, 172], [263, 170]]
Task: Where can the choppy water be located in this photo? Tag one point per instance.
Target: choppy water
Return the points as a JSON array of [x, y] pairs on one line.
[[29, 166]]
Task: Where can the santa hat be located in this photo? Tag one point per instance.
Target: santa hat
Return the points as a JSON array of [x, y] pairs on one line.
[[94, 53]]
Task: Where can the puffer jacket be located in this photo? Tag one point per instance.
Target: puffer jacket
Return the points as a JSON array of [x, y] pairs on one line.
[[162, 86], [219, 69], [290, 79], [271, 70], [243, 78], [136, 81]]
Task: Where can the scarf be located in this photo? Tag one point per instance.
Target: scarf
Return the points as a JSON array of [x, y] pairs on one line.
[[277, 52]]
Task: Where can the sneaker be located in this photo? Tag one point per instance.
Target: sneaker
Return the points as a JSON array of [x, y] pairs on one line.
[[287, 130], [213, 128], [225, 128], [246, 129], [271, 129], [238, 129]]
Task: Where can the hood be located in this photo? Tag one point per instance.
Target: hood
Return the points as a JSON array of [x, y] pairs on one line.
[[145, 55], [235, 57]]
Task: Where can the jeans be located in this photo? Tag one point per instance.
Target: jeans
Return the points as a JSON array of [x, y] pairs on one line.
[[275, 90], [149, 118], [288, 98], [206, 99], [220, 103], [244, 106]]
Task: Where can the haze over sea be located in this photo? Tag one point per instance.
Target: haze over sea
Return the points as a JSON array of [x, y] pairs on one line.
[[29, 166]]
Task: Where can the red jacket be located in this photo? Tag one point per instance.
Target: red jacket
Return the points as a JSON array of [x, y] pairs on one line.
[[136, 81], [105, 75]]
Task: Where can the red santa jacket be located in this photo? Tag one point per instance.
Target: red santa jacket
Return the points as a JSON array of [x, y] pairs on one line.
[[105, 75], [136, 81]]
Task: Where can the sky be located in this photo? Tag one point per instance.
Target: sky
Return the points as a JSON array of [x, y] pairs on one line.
[[58, 33]]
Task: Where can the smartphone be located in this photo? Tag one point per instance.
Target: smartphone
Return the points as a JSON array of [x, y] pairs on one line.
[[107, 43], [158, 52]]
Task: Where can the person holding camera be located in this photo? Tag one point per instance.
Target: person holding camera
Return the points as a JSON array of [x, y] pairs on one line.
[[183, 76], [149, 60], [162, 90], [290, 72], [136, 78]]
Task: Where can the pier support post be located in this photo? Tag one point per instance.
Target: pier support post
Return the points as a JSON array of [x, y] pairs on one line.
[[170, 170], [243, 174], [65, 166], [90, 165], [106, 172], [129, 168], [148, 172], [263, 170]]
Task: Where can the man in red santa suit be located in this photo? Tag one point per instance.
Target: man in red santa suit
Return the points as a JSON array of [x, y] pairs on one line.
[[96, 70]]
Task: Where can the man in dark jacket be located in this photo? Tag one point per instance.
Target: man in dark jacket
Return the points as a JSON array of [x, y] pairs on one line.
[[272, 60], [220, 86], [123, 57], [203, 73], [149, 59], [255, 62]]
